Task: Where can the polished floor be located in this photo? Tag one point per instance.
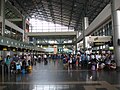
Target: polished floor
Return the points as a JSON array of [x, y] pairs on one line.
[[54, 76]]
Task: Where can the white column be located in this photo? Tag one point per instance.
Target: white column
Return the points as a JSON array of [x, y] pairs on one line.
[[116, 31], [2, 11], [85, 25], [24, 27], [86, 22], [77, 34]]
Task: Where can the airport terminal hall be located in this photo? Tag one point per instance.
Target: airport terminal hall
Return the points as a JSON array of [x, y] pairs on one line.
[[59, 44]]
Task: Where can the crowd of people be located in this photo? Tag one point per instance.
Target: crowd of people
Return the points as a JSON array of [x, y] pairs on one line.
[[17, 63], [91, 61], [22, 63]]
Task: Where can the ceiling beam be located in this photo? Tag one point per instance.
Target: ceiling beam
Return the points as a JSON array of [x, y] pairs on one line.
[[13, 9], [51, 10], [37, 6], [23, 10], [18, 19], [61, 12], [73, 5]]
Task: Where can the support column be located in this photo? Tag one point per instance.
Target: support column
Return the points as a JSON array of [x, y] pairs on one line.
[[76, 48], [24, 27], [77, 34], [85, 25], [2, 12], [116, 31], [86, 22], [75, 43]]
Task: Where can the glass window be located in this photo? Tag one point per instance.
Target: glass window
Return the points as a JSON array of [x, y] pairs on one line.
[[110, 28], [12, 33], [44, 26], [104, 31]]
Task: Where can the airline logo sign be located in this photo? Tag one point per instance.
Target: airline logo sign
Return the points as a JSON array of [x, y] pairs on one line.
[[99, 38]]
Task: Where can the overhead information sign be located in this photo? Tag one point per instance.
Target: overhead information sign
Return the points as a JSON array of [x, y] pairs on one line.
[[98, 39]]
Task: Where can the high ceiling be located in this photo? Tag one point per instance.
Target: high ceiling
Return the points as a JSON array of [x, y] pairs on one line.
[[64, 12]]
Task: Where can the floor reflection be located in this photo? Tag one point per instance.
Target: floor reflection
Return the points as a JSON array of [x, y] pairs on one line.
[[54, 76]]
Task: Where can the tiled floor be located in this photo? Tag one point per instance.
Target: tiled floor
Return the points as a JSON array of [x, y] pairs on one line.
[[54, 76]]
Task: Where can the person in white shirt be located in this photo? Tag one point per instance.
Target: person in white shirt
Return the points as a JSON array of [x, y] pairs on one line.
[[92, 56], [39, 58], [112, 56], [35, 59], [45, 58], [29, 60], [97, 57]]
